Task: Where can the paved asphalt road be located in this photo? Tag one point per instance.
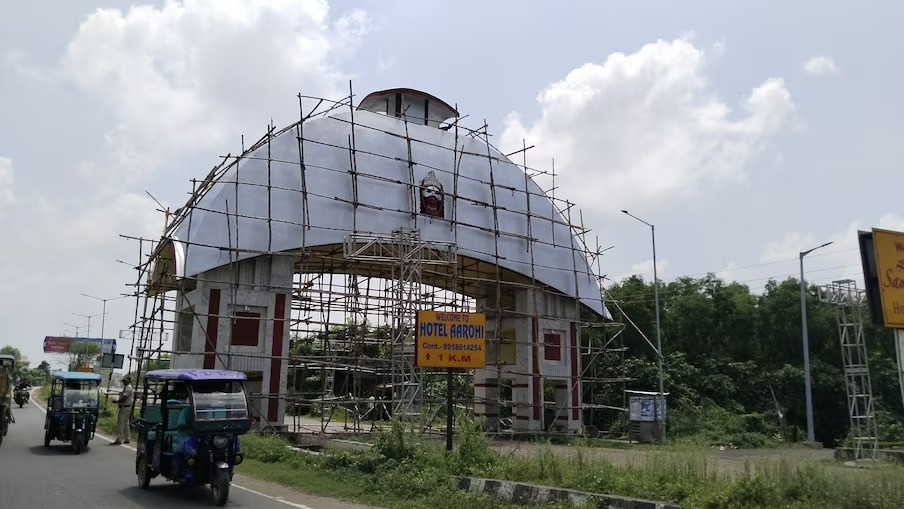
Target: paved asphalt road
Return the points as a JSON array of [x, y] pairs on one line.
[[103, 476]]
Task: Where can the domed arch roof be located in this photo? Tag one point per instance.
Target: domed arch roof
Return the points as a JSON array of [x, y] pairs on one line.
[[304, 188]]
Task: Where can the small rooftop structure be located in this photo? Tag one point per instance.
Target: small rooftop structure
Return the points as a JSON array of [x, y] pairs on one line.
[[418, 107]]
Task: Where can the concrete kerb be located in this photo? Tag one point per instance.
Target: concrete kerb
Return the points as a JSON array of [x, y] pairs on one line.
[[522, 493], [889, 455]]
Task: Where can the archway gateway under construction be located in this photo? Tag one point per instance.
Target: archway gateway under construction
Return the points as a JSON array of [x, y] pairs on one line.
[[303, 261]]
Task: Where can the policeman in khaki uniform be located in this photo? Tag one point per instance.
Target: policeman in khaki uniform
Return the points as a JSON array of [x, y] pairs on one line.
[[126, 398]]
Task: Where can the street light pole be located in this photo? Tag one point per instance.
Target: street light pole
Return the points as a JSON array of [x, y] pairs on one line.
[[76, 327], [103, 321], [89, 317], [806, 343], [103, 318], [658, 325]]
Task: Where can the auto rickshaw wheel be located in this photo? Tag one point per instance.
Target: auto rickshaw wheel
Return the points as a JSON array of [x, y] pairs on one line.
[[144, 477], [77, 444], [219, 487], [47, 437]]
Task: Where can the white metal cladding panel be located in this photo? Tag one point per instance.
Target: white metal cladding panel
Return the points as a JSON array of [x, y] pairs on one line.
[[332, 216], [239, 362]]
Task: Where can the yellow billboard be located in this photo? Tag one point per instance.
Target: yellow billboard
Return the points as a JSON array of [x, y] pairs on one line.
[[889, 248], [451, 340]]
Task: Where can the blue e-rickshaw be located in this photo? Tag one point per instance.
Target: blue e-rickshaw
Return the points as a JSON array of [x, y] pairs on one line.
[[189, 427], [72, 408]]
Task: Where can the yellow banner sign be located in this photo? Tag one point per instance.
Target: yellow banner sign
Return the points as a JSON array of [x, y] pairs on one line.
[[889, 247], [451, 340]]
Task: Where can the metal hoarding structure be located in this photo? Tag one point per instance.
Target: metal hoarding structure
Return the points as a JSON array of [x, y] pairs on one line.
[[61, 344]]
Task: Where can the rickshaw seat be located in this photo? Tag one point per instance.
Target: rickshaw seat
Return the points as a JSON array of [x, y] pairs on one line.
[[175, 435], [151, 417], [174, 412], [152, 414]]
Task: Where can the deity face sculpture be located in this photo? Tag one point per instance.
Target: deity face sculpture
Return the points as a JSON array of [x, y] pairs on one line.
[[432, 196]]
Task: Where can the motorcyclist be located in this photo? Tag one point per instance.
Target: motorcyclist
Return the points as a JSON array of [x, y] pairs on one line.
[[21, 394]]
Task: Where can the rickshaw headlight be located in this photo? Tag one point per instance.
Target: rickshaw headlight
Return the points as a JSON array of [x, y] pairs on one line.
[[220, 442], [190, 462], [238, 459]]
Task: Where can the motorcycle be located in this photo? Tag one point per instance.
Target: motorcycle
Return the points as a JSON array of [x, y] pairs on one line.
[[21, 396]]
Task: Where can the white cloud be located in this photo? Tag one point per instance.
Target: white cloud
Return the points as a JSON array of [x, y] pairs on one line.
[[891, 222], [181, 82], [17, 61], [7, 182], [192, 75], [789, 247], [839, 260], [645, 269], [821, 66], [60, 250], [645, 126]]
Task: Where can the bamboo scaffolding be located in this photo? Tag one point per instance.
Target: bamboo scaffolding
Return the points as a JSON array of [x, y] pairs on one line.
[[356, 312]]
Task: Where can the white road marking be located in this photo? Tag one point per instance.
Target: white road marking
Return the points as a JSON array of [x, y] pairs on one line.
[[249, 490], [278, 499]]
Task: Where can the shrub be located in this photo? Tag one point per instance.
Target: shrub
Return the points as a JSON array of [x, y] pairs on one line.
[[266, 448], [397, 443], [747, 440], [758, 423], [754, 492], [412, 479], [473, 454], [364, 462]]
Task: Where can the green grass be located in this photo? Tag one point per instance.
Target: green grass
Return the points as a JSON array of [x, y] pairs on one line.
[[690, 479], [307, 477], [366, 478], [405, 470]]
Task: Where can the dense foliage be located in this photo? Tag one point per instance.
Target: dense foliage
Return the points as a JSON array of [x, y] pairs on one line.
[[35, 376], [728, 350]]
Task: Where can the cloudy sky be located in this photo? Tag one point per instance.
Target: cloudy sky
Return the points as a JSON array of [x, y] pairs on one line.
[[745, 132]]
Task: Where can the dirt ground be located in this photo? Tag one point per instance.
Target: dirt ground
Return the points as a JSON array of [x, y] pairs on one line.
[[728, 461]]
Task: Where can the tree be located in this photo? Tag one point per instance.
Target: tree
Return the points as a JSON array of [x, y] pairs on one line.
[[11, 350], [83, 354], [18, 370], [728, 350]]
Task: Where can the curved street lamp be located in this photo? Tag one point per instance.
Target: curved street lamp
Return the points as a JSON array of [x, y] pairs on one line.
[[658, 326], [104, 311], [89, 317], [76, 327], [806, 340]]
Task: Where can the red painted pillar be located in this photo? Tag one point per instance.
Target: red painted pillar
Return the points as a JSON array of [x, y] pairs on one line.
[[538, 400], [213, 321], [279, 323], [575, 374]]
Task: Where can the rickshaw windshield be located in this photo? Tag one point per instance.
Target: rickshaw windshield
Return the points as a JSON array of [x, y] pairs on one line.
[[80, 394], [219, 400]]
